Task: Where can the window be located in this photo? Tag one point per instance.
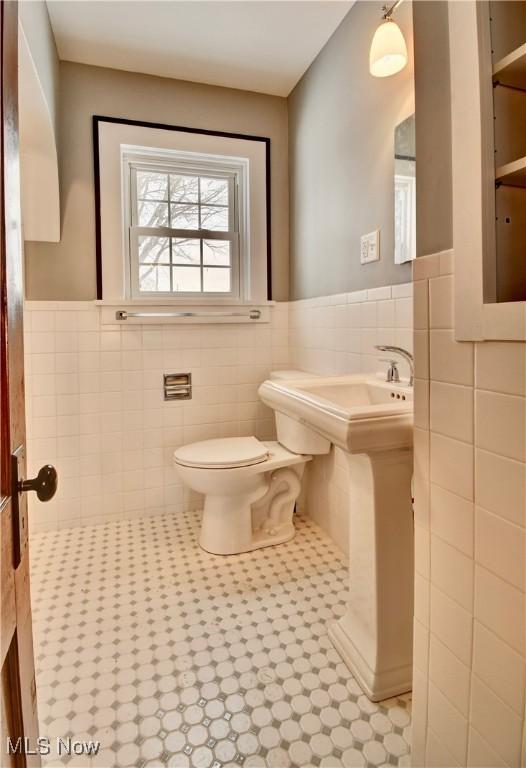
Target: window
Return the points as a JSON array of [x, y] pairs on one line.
[[183, 230], [182, 215]]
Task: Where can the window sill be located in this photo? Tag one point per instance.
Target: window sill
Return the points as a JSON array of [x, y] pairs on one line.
[[157, 312]]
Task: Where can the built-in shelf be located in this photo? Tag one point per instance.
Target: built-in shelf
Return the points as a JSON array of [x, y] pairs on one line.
[[513, 174], [511, 70]]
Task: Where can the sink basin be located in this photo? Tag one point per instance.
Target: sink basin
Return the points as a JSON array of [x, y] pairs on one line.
[[372, 421], [357, 413]]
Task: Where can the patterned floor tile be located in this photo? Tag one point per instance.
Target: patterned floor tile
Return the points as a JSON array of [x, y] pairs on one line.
[[173, 657]]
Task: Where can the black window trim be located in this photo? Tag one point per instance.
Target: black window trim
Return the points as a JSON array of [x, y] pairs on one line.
[[97, 119]]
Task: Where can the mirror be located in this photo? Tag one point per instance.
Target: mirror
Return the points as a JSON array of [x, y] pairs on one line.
[[405, 191]]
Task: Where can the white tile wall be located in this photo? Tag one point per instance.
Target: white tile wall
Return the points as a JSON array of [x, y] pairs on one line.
[[325, 495], [335, 335], [95, 405], [470, 494]]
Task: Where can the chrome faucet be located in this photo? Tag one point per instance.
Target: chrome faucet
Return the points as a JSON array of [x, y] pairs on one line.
[[392, 372], [403, 353]]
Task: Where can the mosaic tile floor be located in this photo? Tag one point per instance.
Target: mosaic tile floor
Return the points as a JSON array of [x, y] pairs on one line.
[[173, 657]]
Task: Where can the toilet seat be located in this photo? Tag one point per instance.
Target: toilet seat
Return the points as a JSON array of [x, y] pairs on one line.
[[224, 453]]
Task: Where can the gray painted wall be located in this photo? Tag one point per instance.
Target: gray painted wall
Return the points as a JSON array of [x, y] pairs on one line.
[[66, 270], [434, 224], [341, 142]]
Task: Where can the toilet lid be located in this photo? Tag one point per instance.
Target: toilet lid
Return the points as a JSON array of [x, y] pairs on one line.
[[225, 453]]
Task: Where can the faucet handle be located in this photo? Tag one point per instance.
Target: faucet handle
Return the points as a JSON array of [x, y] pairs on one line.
[[392, 371], [403, 353]]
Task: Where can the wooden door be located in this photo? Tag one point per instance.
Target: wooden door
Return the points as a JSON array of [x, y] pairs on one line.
[[18, 690]]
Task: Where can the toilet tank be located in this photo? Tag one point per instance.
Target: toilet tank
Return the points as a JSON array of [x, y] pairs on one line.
[[293, 435]]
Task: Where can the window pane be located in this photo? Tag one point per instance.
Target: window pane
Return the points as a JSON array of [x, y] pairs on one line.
[[184, 188], [216, 280], [185, 216], [214, 218], [186, 279], [154, 250], [214, 191], [216, 252], [185, 251], [153, 214], [152, 186], [152, 278]]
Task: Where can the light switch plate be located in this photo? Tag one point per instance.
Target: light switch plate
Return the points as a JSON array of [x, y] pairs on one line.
[[370, 247], [364, 249]]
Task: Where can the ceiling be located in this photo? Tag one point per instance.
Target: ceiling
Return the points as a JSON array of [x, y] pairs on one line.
[[248, 44]]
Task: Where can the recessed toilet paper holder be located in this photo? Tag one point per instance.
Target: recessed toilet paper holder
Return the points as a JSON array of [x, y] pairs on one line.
[[177, 386]]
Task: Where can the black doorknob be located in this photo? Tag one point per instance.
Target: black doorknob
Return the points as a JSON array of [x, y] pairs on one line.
[[45, 483]]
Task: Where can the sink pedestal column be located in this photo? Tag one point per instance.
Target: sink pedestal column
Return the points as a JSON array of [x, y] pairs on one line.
[[375, 637]]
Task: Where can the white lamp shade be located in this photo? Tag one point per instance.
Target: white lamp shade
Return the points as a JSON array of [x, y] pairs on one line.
[[388, 50]]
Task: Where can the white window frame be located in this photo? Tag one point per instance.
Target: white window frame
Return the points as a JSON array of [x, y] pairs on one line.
[[190, 164], [405, 247], [247, 155]]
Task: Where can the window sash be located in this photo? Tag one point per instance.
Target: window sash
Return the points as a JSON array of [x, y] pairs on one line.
[[232, 237], [232, 234], [197, 234], [181, 170]]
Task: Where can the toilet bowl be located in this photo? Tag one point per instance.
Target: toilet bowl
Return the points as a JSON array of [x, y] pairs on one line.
[[249, 487]]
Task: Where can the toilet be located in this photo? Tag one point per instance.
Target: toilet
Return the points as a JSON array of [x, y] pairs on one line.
[[250, 488]]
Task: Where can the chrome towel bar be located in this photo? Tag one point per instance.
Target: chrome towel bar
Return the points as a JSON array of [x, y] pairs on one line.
[[253, 314]]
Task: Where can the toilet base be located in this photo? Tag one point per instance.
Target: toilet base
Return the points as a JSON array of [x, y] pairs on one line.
[[259, 539], [226, 527], [259, 517]]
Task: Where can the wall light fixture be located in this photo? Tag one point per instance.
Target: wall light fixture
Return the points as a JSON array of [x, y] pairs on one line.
[[388, 53]]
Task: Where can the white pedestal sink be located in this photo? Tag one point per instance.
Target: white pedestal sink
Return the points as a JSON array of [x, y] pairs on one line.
[[372, 422]]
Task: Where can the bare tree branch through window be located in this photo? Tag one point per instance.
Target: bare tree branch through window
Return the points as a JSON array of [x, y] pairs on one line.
[[170, 262]]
